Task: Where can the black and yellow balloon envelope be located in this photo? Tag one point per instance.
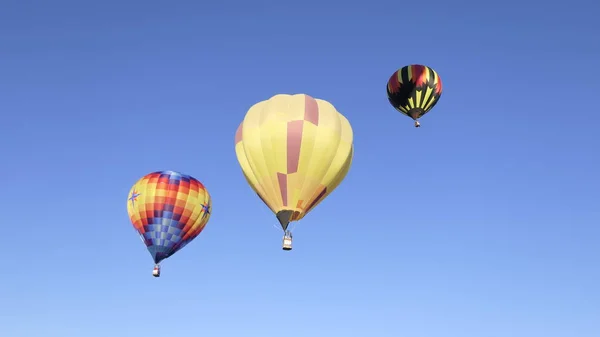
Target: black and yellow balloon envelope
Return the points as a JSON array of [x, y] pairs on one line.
[[294, 150], [168, 209], [414, 90]]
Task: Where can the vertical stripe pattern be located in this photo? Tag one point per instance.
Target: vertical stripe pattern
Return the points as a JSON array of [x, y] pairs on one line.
[[414, 90]]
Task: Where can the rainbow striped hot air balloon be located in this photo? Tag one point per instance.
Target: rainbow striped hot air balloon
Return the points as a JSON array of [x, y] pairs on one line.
[[168, 209], [308, 153], [414, 90]]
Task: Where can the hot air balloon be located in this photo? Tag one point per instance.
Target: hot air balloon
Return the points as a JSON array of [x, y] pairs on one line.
[[168, 209], [414, 90], [294, 150]]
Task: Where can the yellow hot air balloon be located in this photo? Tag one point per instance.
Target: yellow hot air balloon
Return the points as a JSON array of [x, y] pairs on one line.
[[294, 150]]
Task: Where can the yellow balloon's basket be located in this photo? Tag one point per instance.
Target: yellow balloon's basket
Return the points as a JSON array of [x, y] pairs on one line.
[[287, 241]]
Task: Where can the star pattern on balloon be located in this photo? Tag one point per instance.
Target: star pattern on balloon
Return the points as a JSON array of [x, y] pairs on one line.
[[134, 197]]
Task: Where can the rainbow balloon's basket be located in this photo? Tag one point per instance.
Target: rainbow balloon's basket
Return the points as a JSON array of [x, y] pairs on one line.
[[287, 241], [156, 271]]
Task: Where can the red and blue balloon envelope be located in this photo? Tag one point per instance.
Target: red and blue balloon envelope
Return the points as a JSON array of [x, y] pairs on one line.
[[168, 209]]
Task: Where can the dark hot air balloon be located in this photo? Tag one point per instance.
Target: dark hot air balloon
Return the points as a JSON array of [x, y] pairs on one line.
[[414, 90]]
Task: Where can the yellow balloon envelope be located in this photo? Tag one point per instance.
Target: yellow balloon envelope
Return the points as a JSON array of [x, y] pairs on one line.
[[294, 150]]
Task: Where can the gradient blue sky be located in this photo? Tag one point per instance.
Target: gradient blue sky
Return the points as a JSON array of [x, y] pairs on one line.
[[482, 223]]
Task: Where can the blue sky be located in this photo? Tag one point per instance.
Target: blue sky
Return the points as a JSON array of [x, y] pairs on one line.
[[482, 223]]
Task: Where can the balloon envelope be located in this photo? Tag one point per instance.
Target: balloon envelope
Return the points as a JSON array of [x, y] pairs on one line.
[[414, 90], [294, 150], [168, 209]]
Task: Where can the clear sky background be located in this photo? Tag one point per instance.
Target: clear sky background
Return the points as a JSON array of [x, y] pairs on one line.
[[482, 223]]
